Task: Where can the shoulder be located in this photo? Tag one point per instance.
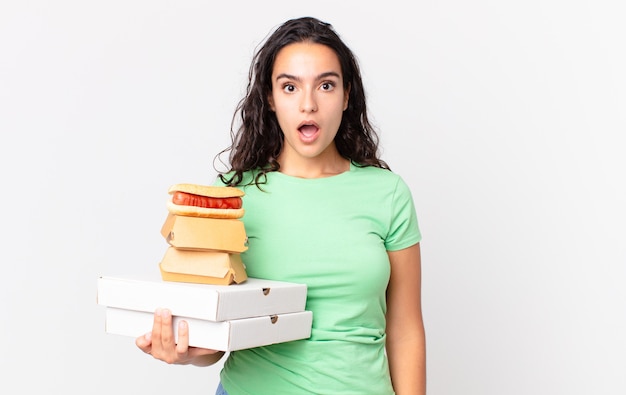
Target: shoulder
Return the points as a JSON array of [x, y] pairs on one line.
[[385, 181], [376, 174]]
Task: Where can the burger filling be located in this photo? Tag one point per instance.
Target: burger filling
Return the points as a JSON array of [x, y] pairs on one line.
[[189, 199]]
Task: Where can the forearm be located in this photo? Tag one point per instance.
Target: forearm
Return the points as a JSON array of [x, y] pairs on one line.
[[407, 365]]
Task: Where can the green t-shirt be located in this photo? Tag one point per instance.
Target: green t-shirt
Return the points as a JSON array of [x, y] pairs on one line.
[[332, 234]]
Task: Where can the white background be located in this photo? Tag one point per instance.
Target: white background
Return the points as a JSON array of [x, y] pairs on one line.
[[506, 118]]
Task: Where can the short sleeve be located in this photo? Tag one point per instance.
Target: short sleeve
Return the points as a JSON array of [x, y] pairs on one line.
[[404, 228]]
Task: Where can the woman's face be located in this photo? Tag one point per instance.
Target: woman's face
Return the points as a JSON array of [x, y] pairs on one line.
[[309, 99]]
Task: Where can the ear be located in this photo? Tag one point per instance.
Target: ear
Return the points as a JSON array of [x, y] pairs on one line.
[[346, 96], [270, 101]]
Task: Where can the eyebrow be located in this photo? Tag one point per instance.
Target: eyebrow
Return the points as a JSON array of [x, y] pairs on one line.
[[319, 77]]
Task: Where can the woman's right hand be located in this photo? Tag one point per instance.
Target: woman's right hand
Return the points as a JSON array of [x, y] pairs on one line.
[[161, 343]]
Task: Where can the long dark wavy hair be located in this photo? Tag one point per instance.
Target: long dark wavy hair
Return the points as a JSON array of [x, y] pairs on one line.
[[258, 140]]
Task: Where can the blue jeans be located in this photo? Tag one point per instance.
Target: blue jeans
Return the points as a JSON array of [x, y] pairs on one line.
[[220, 390]]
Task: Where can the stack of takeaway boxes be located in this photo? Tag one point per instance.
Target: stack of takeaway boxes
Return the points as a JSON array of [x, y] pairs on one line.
[[203, 281]]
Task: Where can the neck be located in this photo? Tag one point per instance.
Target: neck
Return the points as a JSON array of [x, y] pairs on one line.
[[313, 167]]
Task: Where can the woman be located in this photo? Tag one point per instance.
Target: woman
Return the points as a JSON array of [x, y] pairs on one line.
[[322, 209]]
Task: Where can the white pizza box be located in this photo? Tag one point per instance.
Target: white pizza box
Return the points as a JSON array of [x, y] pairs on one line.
[[253, 298], [224, 335]]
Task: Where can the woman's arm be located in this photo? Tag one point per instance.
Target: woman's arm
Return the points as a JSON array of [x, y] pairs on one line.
[[161, 344], [406, 341]]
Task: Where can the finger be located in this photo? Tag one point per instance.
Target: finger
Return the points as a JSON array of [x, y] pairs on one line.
[[144, 342], [167, 331], [156, 331], [182, 345]]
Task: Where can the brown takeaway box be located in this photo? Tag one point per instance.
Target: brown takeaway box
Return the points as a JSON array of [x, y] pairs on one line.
[[202, 267], [196, 233]]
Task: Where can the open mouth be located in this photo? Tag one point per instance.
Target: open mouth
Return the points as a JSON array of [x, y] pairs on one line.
[[308, 131]]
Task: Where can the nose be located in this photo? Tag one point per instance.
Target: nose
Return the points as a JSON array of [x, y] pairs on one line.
[[308, 102]]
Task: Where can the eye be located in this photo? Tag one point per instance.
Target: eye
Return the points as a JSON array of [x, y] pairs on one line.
[[327, 86], [289, 88]]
